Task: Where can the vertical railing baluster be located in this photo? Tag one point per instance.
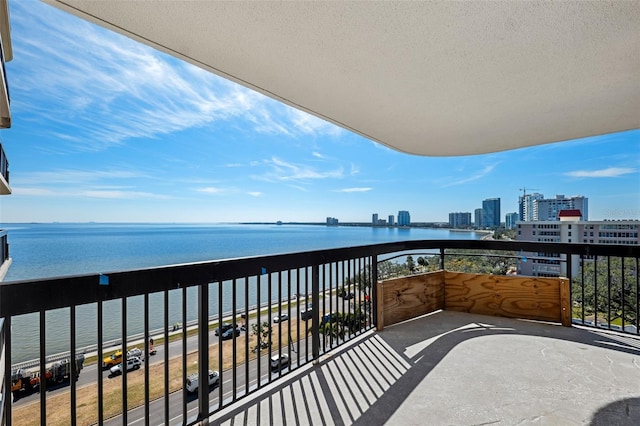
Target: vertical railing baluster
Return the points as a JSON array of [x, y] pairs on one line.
[[184, 355], [269, 302], [373, 300], [609, 292], [315, 323], [637, 295], [622, 285], [73, 363], [220, 366], [124, 361], [327, 277], [279, 319], [99, 369], [203, 352], [290, 343], [234, 373], [166, 357], [43, 373], [8, 399], [569, 258], [258, 337], [582, 284], [145, 358], [441, 262], [299, 318], [595, 290], [246, 335]]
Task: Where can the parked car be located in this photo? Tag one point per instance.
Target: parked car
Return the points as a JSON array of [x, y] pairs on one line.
[[349, 296], [230, 334], [135, 352], [112, 360], [133, 363], [224, 327], [281, 318], [306, 313], [279, 361], [192, 381], [327, 318]]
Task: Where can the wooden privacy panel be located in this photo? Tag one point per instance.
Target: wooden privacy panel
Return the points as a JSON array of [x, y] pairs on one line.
[[409, 297], [508, 296]]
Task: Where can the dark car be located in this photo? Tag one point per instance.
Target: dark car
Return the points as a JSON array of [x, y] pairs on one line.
[[224, 327], [230, 334], [349, 296]]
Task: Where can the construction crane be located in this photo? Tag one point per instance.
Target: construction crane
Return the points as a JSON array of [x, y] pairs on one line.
[[524, 191]]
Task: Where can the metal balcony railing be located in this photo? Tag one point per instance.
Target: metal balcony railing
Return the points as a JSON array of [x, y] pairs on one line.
[[4, 170], [251, 320]]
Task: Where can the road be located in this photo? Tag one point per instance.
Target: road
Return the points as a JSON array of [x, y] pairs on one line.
[[90, 373]]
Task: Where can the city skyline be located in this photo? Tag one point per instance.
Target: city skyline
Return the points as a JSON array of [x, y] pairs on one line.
[[108, 130]]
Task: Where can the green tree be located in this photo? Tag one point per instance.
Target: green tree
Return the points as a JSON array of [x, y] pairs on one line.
[[608, 289], [410, 263], [263, 332]]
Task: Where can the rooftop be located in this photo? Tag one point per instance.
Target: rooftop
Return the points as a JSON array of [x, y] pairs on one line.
[[459, 368]]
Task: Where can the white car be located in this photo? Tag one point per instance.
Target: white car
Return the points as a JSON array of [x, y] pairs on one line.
[[281, 318], [279, 361], [133, 363], [193, 379], [134, 353]]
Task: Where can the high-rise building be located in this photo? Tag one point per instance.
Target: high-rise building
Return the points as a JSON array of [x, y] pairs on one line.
[[332, 221], [404, 219], [477, 214], [547, 209], [391, 220], [491, 213], [570, 229], [510, 220], [525, 206], [460, 219], [374, 219]]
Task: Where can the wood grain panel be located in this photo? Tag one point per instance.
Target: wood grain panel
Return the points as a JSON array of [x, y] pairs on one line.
[[409, 297], [507, 296]]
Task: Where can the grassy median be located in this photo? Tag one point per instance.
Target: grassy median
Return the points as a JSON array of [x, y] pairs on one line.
[[58, 405]]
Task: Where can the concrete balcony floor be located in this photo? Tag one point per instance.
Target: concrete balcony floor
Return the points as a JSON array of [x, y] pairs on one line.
[[450, 368]]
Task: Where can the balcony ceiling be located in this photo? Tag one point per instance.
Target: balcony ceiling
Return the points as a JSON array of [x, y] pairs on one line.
[[432, 78]]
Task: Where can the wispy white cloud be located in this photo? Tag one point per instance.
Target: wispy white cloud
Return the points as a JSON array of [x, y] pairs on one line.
[[478, 175], [310, 124], [366, 189], [112, 194], [602, 173], [281, 170], [255, 193], [68, 176], [118, 89], [211, 190], [35, 192]]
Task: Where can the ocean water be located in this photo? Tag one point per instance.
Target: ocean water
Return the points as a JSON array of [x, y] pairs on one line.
[[60, 249]]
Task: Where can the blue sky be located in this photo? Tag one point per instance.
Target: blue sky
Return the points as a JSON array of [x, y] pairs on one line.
[[106, 129]]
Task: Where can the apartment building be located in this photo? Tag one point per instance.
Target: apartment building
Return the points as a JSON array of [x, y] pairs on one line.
[[570, 228], [491, 213], [460, 219]]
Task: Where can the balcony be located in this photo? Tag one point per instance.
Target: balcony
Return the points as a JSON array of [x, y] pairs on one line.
[[443, 344], [4, 173]]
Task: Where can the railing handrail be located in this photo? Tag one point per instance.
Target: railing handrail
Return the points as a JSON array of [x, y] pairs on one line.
[[61, 292]]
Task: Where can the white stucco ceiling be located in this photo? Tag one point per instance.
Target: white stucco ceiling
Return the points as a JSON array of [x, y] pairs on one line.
[[430, 78]]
